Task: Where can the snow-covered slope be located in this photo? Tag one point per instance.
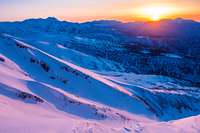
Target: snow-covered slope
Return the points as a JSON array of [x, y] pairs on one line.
[[37, 85], [45, 87]]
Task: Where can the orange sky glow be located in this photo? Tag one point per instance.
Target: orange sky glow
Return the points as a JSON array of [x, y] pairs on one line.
[[89, 10]]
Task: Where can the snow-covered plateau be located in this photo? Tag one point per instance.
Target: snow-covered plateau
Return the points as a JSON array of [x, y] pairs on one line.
[[62, 77]]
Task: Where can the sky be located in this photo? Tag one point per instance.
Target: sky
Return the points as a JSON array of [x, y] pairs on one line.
[[89, 10]]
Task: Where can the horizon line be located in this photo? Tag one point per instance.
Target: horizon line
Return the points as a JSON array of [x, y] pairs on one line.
[[99, 20]]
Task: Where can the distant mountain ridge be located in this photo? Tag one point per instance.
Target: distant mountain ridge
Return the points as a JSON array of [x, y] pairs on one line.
[[166, 27], [173, 28]]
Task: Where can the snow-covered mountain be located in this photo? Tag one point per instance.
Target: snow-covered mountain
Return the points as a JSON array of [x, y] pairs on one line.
[[69, 77]]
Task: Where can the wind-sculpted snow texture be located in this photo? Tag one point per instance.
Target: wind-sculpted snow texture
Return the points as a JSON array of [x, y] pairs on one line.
[[69, 77]]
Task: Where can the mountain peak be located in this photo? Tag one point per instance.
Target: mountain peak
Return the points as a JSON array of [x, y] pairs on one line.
[[52, 19], [178, 19], [184, 20]]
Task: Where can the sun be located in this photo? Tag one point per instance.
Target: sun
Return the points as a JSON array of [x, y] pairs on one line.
[[154, 12], [155, 17]]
